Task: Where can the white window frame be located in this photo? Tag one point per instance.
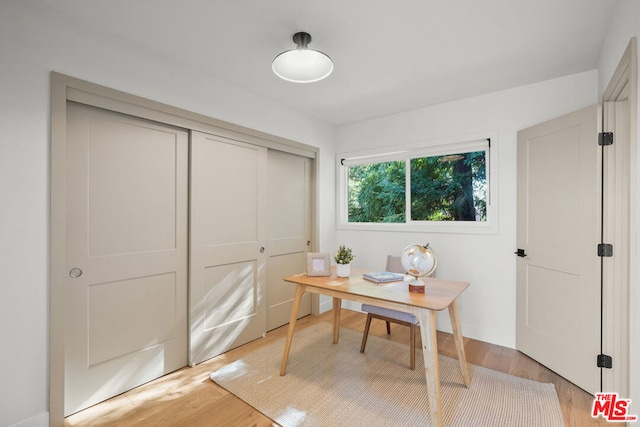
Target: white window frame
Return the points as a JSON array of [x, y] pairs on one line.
[[484, 142]]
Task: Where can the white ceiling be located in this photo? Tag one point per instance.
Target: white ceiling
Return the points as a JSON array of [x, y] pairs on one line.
[[390, 55]]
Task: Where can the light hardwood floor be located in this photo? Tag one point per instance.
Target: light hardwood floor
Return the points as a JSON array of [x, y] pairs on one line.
[[189, 398]]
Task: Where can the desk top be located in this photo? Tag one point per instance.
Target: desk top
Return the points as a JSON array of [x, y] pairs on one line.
[[439, 294]]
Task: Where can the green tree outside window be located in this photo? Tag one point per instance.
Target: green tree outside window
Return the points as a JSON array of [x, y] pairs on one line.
[[450, 187]]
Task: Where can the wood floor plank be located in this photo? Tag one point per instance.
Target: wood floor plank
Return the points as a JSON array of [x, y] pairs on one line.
[[188, 397]]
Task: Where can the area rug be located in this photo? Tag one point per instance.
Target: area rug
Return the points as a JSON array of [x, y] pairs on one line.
[[335, 385]]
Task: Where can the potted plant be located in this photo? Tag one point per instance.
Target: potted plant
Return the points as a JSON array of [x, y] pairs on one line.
[[343, 258]]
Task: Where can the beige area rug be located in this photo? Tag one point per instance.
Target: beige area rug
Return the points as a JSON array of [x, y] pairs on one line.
[[336, 385]]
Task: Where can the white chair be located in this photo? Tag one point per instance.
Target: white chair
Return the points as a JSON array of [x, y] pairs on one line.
[[391, 316]]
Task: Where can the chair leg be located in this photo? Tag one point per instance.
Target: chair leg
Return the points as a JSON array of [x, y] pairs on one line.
[[365, 333], [412, 345], [388, 328]]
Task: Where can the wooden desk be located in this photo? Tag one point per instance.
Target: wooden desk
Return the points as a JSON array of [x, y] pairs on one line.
[[439, 294]]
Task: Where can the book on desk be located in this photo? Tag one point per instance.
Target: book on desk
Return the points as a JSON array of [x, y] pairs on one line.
[[383, 276]]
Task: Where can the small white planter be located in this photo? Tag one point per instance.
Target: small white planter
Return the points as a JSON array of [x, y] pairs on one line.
[[343, 270]]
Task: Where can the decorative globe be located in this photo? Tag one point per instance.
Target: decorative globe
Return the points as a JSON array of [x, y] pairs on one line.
[[418, 261]]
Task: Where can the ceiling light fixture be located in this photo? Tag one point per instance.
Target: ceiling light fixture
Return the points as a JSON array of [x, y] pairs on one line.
[[302, 65]]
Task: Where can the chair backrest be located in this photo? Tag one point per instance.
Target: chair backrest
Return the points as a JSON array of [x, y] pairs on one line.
[[394, 265]]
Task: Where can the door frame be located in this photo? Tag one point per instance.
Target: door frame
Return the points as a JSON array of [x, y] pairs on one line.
[[622, 85], [64, 89]]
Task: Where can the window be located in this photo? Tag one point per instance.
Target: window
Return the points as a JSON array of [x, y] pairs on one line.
[[376, 192], [439, 188], [452, 187]]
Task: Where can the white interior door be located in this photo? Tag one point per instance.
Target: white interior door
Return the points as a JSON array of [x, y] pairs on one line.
[[126, 294], [558, 281], [228, 259], [289, 231]]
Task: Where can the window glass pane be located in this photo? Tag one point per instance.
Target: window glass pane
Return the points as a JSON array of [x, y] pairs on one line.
[[376, 192], [452, 187]]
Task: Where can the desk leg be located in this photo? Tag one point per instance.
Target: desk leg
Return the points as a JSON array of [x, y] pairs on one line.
[[457, 336], [337, 307], [300, 289], [432, 371]]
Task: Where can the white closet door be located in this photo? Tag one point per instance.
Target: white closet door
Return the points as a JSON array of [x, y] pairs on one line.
[[289, 230], [228, 259], [126, 292]]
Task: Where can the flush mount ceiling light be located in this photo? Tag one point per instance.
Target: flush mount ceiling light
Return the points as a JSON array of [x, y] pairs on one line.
[[302, 65]]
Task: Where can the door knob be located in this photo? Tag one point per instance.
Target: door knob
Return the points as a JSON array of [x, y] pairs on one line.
[[262, 249], [520, 253], [75, 273]]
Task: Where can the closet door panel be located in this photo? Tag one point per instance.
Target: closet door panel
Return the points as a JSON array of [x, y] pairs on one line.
[[126, 253], [228, 260], [289, 231]]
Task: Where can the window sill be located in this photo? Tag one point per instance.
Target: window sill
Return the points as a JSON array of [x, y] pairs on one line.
[[489, 227]]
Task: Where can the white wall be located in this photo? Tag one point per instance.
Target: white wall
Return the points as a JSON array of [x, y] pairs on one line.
[[487, 308], [624, 25], [33, 42]]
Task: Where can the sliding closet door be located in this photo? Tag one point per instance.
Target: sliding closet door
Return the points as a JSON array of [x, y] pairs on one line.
[[289, 231], [126, 258], [228, 259]]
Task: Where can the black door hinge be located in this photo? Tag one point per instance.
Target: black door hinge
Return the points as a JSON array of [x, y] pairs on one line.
[[605, 250], [605, 138], [604, 361]]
